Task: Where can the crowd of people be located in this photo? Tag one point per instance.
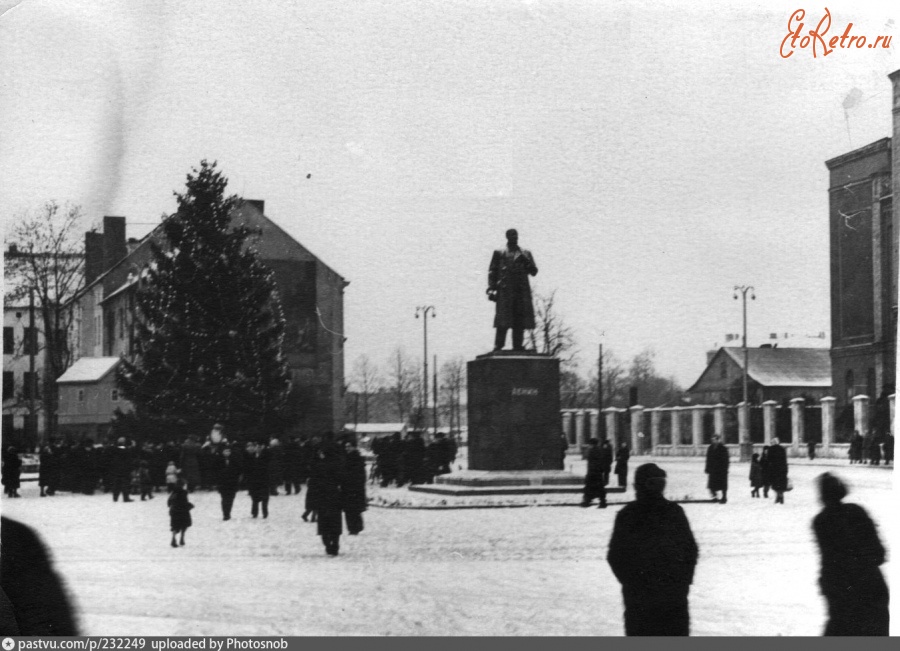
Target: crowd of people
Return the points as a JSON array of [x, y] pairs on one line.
[[410, 460]]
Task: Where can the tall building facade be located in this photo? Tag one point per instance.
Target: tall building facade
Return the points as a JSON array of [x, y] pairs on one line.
[[864, 262]]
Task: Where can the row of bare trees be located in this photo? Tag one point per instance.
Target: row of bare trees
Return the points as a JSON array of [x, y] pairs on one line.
[[395, 393]]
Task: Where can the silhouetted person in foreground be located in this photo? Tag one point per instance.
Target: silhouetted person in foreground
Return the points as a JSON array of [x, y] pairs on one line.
[[33, 600], [653, 554], [851, 551]]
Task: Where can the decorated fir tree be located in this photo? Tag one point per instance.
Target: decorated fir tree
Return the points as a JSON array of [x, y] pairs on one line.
[[209, 325]]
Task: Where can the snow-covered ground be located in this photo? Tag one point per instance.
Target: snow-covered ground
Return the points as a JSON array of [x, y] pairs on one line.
[[535, 570]]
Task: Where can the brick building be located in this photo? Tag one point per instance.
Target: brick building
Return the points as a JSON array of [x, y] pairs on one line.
[[864, 263], [312, 299]]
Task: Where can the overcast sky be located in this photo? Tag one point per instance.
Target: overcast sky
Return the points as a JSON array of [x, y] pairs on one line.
[[651, 155]]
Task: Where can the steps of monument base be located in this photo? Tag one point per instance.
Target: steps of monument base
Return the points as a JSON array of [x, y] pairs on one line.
[[482, 489], [507, 482]]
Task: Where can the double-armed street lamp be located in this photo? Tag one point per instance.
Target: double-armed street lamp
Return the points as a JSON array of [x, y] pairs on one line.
[[746, 445], [425, 310]]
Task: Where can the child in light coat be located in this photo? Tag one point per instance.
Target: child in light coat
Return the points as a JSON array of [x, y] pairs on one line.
[[171, 476]]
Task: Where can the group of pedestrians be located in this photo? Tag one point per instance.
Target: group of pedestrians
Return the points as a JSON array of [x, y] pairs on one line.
[[871, 449], [410, 460]]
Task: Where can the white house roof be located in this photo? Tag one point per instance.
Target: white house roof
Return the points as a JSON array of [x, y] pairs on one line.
[[785, 367], [88, 369]]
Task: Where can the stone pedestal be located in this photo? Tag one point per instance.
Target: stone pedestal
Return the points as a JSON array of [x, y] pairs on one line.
[[514, 412]]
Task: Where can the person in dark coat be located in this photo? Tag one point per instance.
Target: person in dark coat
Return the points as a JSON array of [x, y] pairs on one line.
[[593, 479], [851, 551], [228, 477], [119, 470], [293, 472], [874, 449], [606, 460], [310, 513], [48, 475], [36, 599], [778, 470], [888, 449], [856, 448], [12, 471], [179, 512], [653, 554], [756, 476], [412, 461], [329, 470], [256, 475], [811, 450], [764, 470], [353, 489], [717, 461], [622, 456], [190, 462]]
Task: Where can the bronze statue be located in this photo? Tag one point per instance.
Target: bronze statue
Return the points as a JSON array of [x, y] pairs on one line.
[[508, 287]]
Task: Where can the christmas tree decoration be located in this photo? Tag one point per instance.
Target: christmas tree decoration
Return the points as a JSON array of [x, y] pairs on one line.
[[210, 328]]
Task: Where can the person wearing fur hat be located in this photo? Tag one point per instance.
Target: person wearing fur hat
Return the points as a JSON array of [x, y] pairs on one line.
[[852, 552], [653, 554]]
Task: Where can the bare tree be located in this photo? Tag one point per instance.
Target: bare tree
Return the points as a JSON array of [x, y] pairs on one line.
[[45, 260], [366, 381], [653, 389], [452, 383], [615, 388], [551, 335], [403, 382]]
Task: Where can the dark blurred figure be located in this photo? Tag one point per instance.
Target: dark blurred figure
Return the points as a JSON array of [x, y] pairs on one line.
[[563, 450], [33, 601], [856, 448], [329, 470], [593, 480], [851, 551], [778, 470], [179, 512], [606, 461], [412, 460], [119, 470], [622, 456], [256, 476], [717, 461], [190, 462], [811, 450], [276, 466], [293, 466], [653, 554], [12, 471], [765, 470], [888, 449], [228, 477], [48, 475], [353, 489]]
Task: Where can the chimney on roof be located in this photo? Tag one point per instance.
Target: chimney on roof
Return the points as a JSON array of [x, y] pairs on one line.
[[114, 246], [259, 204], [93, 256]]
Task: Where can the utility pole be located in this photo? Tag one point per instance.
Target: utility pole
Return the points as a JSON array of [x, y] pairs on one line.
[[425, 311], [31, 340], [746, 445], [434, 386], [601, 423]]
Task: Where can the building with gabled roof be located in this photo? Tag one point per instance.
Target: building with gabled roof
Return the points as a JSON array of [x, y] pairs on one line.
[[773, 374], [312, 300]]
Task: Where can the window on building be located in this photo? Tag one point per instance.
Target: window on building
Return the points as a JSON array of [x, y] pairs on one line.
[[848, 385], [9, 342], [9, 385], [29, 342], [30, 385], [723, 370], [115, 395], [80, 395]]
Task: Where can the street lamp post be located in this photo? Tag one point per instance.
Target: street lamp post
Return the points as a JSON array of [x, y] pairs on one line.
[[746, 445], [425, 310]]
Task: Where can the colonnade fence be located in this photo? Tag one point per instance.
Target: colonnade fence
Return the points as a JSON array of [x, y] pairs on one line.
[[687, 431]]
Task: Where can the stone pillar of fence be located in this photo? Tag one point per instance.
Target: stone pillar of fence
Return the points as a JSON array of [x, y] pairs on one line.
[[861, 414], [697, 427], [567, 425], [611, 425], [798, 430], [719, 421], [579, 428], [675, 422], [637, 425], [655, 420], [595, 423], [891, 401], [827, 424], [743, 413], [769, 407]]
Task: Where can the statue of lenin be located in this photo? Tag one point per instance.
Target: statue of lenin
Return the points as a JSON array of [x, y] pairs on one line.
[[508, 287]]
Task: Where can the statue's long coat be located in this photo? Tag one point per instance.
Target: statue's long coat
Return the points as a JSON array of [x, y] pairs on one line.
[[508, 276]]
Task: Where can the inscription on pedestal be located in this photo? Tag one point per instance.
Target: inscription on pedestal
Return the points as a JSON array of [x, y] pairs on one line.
[[514, 413]]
